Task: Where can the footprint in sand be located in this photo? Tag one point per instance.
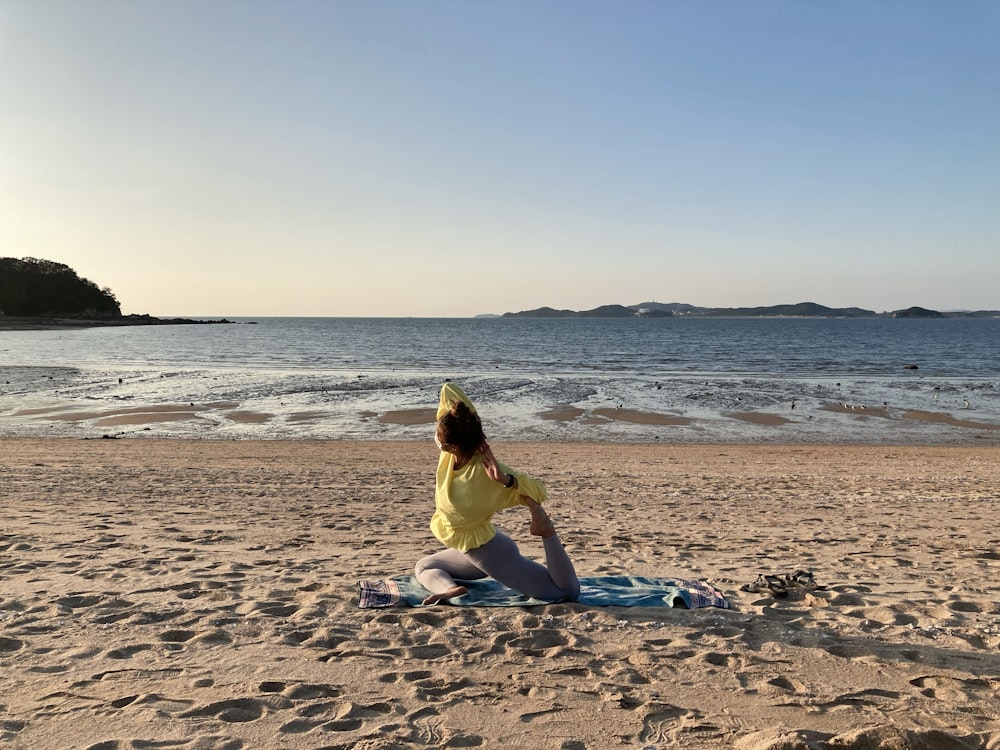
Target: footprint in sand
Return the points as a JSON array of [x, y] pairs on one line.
[[532, 642], [428, 726], [152, 617], [871, 697], [530, 716], [269, 608], [79, 601], [328, 638], [420, 674], [321, 709], [660, 722], [161, 704], [311, 715], [350, 716], [953, 690], [114, 611], [434, 689], [128, 652], [574, 672], [959, 605], [10, 728], [10, 645], [177, 636], [300, 726], [53, 669], [783, 691], [202, 742], [232, 711], [851, 651], [717, 659], [311, 691], [430, 651]]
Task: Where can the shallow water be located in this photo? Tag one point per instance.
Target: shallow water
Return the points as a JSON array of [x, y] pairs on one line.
[[692, 380]]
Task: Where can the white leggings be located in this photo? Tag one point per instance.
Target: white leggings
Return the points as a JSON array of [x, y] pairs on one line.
[[501, 560]]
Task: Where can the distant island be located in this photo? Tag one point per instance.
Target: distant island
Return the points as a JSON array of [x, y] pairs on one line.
[[800, 310], [44, 294]]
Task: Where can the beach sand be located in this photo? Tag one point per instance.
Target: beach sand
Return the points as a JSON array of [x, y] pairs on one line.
[[202, 595]]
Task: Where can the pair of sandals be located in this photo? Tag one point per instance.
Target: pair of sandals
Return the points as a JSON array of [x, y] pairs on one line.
[[777, 586]]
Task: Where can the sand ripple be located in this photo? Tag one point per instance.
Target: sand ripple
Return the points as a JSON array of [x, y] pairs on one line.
[[200, 595]]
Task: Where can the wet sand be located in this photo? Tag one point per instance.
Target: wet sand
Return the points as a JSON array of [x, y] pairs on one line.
[[826, 422]]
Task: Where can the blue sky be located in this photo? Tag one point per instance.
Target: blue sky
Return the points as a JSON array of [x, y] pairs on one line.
[[239, 157]]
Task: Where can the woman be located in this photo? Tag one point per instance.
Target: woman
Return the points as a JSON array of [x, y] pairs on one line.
[[471, 486]]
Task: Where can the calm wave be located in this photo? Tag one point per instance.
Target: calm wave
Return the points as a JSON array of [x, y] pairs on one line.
[[831, 379]]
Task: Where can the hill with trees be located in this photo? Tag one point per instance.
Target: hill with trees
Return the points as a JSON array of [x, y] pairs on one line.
[[30, 287], [44, 294]]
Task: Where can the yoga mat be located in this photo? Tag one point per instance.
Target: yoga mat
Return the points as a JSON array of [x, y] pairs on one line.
[[600, 591]]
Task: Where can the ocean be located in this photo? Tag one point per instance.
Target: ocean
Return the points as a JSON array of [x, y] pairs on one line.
[[681, 379]]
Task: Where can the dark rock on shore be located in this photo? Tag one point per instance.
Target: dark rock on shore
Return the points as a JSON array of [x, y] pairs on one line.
[[46, 322]]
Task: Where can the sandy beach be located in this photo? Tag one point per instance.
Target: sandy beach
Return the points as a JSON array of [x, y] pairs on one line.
[[160, 593]]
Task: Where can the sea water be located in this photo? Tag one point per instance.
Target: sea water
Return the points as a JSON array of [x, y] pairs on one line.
[[713, 379]]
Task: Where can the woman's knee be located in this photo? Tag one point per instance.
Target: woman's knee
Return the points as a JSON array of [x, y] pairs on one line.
[[449, 561], [424, 564]]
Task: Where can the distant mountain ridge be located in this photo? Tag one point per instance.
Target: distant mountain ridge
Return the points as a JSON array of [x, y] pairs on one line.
[[604, 311], [799, 310]]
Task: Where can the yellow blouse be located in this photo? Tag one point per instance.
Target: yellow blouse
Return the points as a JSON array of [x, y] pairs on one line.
[[466, 499]]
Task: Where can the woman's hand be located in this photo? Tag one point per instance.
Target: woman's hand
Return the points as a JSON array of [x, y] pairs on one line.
[[493, 469], [490, 462]]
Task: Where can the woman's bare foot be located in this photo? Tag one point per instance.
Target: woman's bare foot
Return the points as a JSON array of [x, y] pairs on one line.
[[446, 595], [541, 524]]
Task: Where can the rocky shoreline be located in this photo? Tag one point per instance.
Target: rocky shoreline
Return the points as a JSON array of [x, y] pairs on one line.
[[51, 322]]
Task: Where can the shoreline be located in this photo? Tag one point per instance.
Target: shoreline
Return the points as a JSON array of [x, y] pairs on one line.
[[205, 591], [141, 437], [288, 379], [58, 322]]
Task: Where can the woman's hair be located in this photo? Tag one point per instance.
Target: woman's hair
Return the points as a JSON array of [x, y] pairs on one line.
[[460, 428]]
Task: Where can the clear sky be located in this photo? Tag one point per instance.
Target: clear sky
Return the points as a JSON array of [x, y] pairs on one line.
[[451, 158]]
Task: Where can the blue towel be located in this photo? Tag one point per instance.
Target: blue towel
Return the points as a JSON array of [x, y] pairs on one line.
[[600, 591]]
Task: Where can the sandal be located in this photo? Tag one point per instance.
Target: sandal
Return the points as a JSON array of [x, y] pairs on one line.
[[802, 578], [772, 585]]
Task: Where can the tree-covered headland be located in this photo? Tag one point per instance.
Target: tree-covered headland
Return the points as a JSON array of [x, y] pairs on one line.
[[40, 294], [32, 287]]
